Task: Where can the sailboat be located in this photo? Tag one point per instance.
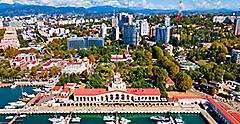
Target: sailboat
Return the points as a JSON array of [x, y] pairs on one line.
[[22, 98]]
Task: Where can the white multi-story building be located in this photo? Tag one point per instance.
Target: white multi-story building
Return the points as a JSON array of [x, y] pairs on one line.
[[10, 39], [143, 27], [116, 94], [103, 30]]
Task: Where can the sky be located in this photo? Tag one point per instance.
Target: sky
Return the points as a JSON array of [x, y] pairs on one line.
[[152, 4]]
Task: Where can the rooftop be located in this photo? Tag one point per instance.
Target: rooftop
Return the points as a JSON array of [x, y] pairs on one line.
[[135, 91]]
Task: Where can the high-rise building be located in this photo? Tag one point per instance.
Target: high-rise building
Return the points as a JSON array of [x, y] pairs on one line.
[[114, 21], [167, 21], [163, 34], [103, 30], [1, 23], [131, 36], [115, 33], [237, 27], [236, 56], [143, 27], [153, 31], [84, 42], [124, 18]]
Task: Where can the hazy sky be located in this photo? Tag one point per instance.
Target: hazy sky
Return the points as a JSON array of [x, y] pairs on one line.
[[160, 4]]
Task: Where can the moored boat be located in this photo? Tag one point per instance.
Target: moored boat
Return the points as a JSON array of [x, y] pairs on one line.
[[13, 86], [179, 120], [110, 122], [159, 118], [9, 107], [22, 116], [17, 104], [76, 120], [24, 99], [108, 118], [56, 120], [37, 90], [9, 117], [125, 121]]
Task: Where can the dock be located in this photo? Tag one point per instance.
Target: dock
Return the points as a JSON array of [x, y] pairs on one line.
[[207, 117]]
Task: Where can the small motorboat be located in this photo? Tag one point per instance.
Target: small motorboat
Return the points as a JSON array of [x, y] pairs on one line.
[[24, 99], [13, 86], [9, 117], [17, 104], [179, 120], [108, 118], [31, 96], [110, 122], [159, 118], [125, 121], [76, 120], [22, 116], [9, 107], [57, 120], [37, 90]]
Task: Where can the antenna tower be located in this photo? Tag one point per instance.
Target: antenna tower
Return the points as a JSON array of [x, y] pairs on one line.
[[179, 17]]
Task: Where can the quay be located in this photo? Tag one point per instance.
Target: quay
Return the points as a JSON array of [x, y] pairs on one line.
[[68, 110]]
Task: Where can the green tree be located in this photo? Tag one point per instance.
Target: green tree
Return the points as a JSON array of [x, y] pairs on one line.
[[183, 81]]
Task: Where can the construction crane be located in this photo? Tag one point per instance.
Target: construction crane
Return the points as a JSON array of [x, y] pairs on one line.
[[179, 17]]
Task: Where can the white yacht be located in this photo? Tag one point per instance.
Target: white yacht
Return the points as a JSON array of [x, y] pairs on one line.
[[159, 118], [13, 86], [22, 116], [125, 121], [179, 120], [57, 120], [9, 117], [37, 90], [9, 107], [76, 120], [108, 118], [17, 104], [110, 122], [31, 96]]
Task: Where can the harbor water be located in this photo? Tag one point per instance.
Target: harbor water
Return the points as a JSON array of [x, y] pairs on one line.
[[98, 118], [12, 95]]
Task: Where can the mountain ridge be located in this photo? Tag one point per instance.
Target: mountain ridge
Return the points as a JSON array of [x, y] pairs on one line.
[[20, 9]]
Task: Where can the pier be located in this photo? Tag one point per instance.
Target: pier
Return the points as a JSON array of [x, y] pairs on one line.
[[208, 117]]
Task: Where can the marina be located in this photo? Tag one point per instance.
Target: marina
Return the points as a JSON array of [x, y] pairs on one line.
[[98, 118]]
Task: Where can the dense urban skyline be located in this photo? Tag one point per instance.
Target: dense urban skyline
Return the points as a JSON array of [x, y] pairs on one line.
[[153, 4]]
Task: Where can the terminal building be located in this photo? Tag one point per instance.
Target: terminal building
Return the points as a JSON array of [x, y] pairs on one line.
[[84, 42], [117, 94]]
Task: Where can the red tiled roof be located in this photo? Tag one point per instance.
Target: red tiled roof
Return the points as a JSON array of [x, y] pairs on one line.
[[57, 88], [169, 81], [72, 63], [55, 60], [80, 92], [119, 59], [18, 60], [135, 91], [69, 85], [143, 91], [61, 96], [66, 90], [236, 115], [34, 62], [224, 106], [47, 63], [223, 112]]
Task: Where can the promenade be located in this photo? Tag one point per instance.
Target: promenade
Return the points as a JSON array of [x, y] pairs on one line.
[[46, 110]]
